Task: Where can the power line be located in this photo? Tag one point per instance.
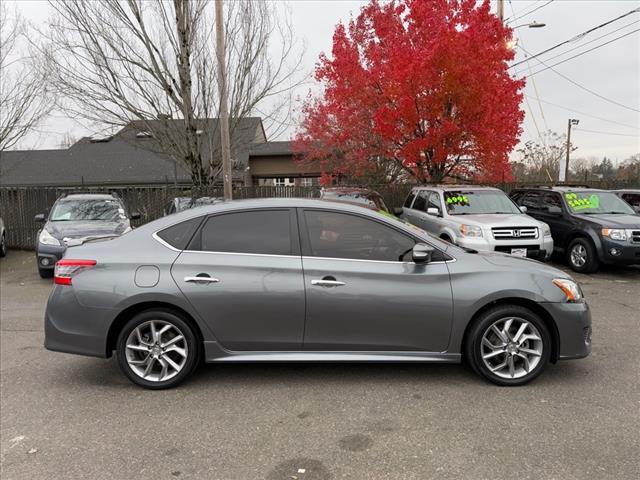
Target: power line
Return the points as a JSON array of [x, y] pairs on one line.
[[588, 114], [606, 133], [577, 37], [513, 12], [530, 12]]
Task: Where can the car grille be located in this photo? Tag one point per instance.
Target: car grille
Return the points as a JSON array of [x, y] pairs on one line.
[[635, 236], [514, 233]]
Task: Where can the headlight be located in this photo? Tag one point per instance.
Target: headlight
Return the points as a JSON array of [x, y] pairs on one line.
[[546, 231], [470, 231], [47, 239], [570, 288], [614, 233]]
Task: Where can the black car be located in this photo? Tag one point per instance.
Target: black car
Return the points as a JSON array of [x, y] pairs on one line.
[[632, 197], [362, 197], [590, 226], [77, 218], [180, 204]]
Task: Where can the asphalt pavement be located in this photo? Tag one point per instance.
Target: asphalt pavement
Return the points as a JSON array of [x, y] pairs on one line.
[[66, 417]]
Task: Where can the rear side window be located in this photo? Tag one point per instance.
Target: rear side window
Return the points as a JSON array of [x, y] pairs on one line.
[[265, 232], [178, 235], [409, 200]]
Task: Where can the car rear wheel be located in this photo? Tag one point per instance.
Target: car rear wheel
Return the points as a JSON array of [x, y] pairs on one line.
[[157, 349], [581, 256], [508, 345]]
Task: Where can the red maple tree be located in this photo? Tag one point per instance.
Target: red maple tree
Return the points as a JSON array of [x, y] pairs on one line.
[[415, 88]]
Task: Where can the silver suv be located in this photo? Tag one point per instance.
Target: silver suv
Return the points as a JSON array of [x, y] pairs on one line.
[[481, 218]]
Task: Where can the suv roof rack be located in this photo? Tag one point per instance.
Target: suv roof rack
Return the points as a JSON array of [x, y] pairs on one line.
[[558, 185], [87, 192]]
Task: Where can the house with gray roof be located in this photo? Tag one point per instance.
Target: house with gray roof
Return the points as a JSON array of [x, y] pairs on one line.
[[132, 156]]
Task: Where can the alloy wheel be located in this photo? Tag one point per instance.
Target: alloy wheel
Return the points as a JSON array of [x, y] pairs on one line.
[[511, 348], [156, 350], [578, 255]]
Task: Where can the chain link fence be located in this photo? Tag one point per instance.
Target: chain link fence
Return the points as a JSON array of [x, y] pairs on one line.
[[19, 205]]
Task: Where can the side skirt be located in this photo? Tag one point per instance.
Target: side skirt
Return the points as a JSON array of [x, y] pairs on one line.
[[216, 354]]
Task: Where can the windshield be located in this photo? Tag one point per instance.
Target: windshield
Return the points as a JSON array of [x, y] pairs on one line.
[[478, 202], [87, 210], [590, 203]]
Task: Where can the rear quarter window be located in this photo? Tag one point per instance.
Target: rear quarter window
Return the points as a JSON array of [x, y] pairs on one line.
[[179, 235]]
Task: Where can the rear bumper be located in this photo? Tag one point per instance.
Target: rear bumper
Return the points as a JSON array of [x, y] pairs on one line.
[[70, 327], [573, 321]]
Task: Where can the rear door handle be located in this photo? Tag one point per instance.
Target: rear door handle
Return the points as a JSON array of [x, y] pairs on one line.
[[327, 283], [201, 280]]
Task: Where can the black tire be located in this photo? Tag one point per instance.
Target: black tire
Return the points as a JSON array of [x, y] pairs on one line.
[[45, 272], [585, 247], [3, 245], [473, 347], [193, 347]]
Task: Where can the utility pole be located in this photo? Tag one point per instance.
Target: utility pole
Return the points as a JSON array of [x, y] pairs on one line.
[[225, 141], [563, 174], [501, 10]]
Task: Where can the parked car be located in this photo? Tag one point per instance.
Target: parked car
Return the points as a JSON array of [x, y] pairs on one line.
[[180, 204], [76, 218], [632, 197], [590, 226], [481, 218], [302, 280], [363, 197], [3, 239]]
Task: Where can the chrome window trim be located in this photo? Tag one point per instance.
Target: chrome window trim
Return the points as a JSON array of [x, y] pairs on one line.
[[161, 241], [375, 261]]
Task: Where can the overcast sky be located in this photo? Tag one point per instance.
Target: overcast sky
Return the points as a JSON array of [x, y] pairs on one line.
[[611, 71]]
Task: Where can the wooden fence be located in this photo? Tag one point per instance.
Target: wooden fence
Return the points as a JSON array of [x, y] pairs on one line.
[[19, 205]]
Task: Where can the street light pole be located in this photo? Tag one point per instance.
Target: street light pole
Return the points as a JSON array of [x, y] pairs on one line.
[[225, 141], [563, 174]]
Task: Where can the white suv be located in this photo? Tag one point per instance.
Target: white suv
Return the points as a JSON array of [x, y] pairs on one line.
[[481, 218]]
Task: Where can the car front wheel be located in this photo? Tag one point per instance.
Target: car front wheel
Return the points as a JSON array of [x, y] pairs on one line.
[[157, 349], [3, 245], [508, 345], [582, 256]]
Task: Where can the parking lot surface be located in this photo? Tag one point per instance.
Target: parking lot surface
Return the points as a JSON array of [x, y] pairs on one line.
[[65, 416]]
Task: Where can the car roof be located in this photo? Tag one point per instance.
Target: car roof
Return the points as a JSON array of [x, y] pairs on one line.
[[559, 188], [88, 196], [449, 188]]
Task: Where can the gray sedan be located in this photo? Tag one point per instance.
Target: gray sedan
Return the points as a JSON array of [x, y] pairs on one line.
[[292, 280]]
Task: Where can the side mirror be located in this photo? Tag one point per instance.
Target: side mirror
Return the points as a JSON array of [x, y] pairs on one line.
[[135, 216], [422, 253], [40, 218], [553, 210], [523, 209], [433, 211], [397, 211]]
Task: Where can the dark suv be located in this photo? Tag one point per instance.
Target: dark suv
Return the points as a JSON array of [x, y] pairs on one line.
[[75, 219], [590, 226]]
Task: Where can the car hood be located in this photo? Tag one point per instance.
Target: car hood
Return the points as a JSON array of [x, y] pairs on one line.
[[612, 221], [521, 263], [498, 220], [65, 229]]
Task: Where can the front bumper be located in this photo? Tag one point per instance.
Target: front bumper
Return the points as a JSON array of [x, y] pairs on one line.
[[620, 253], [536, 249], [48, 255], [573, 321]]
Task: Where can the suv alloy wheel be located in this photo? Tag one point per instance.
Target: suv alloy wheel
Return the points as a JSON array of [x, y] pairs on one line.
[[581, 256]]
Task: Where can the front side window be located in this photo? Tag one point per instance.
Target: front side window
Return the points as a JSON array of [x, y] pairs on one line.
[[87, 210], [632, 199], [409, 200], [434, 201], [340, 235], [532, 200], [474, 202], [421, 201], [552, 200], [260, 232]]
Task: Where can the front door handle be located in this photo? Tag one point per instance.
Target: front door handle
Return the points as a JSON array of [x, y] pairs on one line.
[[201, 279], [326, 282]]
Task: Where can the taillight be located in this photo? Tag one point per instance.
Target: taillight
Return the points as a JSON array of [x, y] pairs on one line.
[[66, 269]]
